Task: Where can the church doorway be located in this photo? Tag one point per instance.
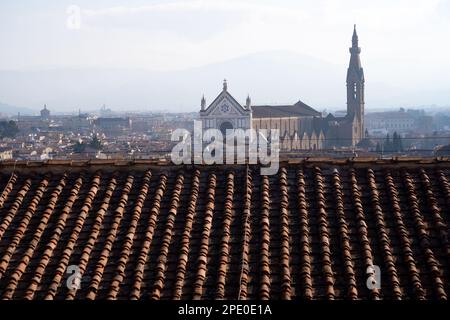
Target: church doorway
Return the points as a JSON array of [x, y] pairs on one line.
[[226, 126]]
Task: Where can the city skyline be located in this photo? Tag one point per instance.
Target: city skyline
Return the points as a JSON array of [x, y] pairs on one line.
[[120, 51]]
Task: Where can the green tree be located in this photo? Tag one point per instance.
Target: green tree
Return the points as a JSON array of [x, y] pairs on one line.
[[378, 148], [8, 129], [397, 144], [96, 143], [387, 144], [79, 147], [400, 143]]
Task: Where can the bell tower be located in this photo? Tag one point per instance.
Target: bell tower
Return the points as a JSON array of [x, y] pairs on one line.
[[355, 91]]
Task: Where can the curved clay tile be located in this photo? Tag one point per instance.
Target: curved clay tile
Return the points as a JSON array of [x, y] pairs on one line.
[[22, 228], [161, 266], [47, 225], [324, 234], [246, 218], [439, 223], [95, 230], [285, 247], [129, 238], [445, 187], [14, 208], [68, 250], [383, 234], [264, 289], [352, 292], [7, 190], [404, 237], [26, 257], [202, 259], [51, 245], [186, 237], [305, 246], [224, 246], [109, 241], [362, 228], [143, 254], [424, 240]]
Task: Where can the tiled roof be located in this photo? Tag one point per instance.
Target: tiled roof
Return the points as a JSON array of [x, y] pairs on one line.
[[143, 230], [296, 110]]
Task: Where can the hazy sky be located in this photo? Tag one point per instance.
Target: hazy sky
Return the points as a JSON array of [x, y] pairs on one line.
[[406, 43]]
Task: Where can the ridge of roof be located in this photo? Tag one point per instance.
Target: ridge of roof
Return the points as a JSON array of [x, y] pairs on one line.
[[96, 164]]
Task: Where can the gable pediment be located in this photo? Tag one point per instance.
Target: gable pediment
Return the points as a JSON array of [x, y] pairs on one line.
[[225, 105]]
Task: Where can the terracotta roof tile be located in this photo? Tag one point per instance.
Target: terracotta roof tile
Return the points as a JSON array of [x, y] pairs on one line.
[[246, 237], [225, 250], [138, 230], [8, 188], [20, 231], [107, 245], [324, 235], [129, 238], [26, 257], [168, 231], [423, 237], [143, 254], [186, 237], [204, 245], [64, 261], [264, 289], [352, 291], [362, 229], [404, 237], [305, 251]]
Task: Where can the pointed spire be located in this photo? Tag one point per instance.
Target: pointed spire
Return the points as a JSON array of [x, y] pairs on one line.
[[203, 103], [248, 102], [225, 86], [354, 37]]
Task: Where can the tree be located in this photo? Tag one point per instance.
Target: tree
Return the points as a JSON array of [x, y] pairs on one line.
[[378, 148], [96, 143], [397, 144], [400, 143], [387, 144], [8, 129], [79, 147]]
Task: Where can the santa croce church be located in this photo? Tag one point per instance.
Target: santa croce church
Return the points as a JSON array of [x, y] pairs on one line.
[[301, 127]]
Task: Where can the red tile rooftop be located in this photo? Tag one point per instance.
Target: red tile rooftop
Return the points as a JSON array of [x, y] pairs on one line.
[[151, 230]]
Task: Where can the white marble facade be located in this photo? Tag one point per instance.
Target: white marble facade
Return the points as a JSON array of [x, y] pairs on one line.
[[226, 113]]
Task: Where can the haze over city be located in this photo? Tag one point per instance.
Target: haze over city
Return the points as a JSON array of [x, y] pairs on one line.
[[163, 55]]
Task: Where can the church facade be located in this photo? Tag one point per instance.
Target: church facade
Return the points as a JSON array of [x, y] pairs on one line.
[[301, 127]]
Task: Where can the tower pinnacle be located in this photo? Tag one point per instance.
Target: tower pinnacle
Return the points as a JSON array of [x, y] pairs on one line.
[[354, 37], [203, 103]]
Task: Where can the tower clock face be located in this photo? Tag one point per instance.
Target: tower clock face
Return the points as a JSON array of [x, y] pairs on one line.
[[225, 108]]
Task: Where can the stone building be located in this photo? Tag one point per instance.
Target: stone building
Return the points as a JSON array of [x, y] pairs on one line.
[[45, 113], [301, 126]]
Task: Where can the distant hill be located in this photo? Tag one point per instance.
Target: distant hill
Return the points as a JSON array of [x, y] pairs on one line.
[[269, 77], [7, 109]]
